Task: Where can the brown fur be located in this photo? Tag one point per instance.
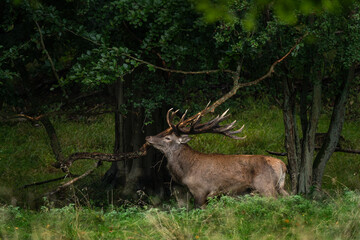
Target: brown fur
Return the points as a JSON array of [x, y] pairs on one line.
[[208, 175]]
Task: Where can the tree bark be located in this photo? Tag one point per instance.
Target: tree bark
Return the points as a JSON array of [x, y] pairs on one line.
[[308, 142], [54, 141], [116, 174], [334, 131], [135, 171], [291, 133]]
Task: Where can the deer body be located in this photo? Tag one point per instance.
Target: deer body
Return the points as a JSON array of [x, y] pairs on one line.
[[208, 175]]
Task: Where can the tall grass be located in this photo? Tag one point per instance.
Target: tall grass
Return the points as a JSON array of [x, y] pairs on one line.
[[225, 218]]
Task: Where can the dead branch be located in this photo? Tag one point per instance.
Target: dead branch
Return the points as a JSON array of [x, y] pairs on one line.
[[104, 157], [276, 153], [177, 71], [49, 181], [47, 54], [74, 179]]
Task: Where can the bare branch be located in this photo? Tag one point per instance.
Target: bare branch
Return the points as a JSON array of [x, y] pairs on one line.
[[276, 153], [177, 71], [104, 157], [75, 179], [47, 53], [48, 181]]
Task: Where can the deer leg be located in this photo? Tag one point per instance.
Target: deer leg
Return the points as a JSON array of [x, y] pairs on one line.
[[280, 188], [200, 199], [283, 192], [200, 202], [266, 190]]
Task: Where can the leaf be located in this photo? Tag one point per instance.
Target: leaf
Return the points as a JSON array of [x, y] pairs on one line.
[[151, 68]]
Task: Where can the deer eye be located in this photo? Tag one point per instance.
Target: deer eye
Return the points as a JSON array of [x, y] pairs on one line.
[[167, 138]]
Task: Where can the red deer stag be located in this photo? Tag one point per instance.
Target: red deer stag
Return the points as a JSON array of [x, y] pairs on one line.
[[208, 175]]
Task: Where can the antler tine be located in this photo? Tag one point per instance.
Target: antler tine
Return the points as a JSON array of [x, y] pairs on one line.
[[183, 116], [167, 117], [238, 131], [231, 133], [226, 128], [178, 126], [174, 113], [224, 114], [194, 124], [235, 137], [170, 118], [214, 122], [209, 125]]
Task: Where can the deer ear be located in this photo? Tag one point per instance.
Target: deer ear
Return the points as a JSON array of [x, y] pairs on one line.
[[184, 139]]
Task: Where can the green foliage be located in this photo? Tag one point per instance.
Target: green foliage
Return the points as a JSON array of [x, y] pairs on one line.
[[101, 66], [225, 218], [88, 42], [287, 11]]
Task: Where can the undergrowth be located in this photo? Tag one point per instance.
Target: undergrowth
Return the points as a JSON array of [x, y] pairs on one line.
[[224, 218]]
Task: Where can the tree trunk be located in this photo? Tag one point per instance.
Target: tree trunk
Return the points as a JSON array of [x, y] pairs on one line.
[[334, 131], [135, 169], [308, 141], [291, 133], [54, 141], [116, 174]]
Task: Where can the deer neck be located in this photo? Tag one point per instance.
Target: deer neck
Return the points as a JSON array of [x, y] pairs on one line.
[[180, 162]]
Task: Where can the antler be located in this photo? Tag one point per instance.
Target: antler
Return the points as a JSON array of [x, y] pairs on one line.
[[193, 126]]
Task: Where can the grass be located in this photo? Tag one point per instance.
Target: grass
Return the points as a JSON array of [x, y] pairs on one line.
[[226, 218]]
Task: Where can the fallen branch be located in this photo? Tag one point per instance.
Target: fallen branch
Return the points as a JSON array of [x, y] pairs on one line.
[[74, 179], [49, 181]]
